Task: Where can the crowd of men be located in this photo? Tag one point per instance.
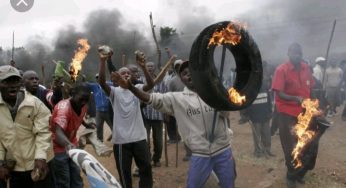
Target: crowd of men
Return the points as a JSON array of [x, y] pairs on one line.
[[40, 125]]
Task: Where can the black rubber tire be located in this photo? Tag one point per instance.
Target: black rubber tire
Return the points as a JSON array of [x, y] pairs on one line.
[[208, 85]]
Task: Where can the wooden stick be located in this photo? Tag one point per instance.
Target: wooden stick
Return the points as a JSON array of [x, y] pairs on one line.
[[43, 75], [176, 151], [156, 43], [162, 73], [12, 46], [166, 152], [123, 60], [327, 53]]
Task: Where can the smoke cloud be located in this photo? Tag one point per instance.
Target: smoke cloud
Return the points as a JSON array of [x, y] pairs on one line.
[[273, 24], [101, 27]]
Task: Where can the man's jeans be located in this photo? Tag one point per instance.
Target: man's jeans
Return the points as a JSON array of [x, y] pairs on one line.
[[201, 167], [67, 173], [102, 117]]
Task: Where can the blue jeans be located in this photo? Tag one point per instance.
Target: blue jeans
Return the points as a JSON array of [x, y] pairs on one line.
[[201, 167], [102, 117], [67, 173]]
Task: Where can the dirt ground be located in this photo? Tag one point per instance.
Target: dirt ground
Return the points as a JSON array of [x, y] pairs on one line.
[[329, 172]]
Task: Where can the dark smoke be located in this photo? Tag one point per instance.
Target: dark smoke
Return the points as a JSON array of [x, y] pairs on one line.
[[274, 24], [277, 24], [100, 27]]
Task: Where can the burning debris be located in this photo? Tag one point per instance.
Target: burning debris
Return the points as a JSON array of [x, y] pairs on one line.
[[303, 131], [235, 97], [208, 80], [79, 56], [229, 35]]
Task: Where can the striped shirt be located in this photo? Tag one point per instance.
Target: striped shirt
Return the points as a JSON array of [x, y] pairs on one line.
[[149, 112]]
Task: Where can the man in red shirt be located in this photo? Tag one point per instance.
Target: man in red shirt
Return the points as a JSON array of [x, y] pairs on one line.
[[292, 83], [66, 118]]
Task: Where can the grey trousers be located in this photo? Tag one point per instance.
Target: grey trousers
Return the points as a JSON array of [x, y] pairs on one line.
[[261, 137]]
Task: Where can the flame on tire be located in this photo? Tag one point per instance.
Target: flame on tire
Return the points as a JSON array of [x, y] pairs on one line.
[[228, 35], [235, 97]]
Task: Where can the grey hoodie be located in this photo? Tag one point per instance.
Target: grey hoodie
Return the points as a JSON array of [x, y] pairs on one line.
[[194, 118]]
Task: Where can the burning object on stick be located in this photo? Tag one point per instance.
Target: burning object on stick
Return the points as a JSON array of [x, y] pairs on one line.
[[234, 37], [309, 128], [229, 35], [79, 56]]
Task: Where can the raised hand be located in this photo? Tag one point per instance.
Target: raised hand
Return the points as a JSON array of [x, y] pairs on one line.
[[104, 52], [140, 58]]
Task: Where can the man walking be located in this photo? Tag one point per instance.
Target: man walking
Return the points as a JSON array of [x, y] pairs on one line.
[[292, 83], [333, 83]]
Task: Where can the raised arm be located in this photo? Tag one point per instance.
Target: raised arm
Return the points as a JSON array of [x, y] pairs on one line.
[[102, 75], [161, 102], [127, 84], [140, 59], [162, 73], [110, 65]]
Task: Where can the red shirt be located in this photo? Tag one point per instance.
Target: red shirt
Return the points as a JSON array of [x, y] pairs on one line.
[[292, 82], [64, 116]]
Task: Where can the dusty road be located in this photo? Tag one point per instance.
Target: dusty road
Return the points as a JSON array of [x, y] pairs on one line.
[[329, 172]]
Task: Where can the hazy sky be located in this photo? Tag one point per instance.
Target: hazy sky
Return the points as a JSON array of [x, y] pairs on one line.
[[48, 16]]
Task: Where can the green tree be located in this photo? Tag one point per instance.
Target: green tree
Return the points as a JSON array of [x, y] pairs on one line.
[[166, 34]]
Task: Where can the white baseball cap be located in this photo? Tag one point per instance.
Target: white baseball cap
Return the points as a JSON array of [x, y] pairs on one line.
[[320, 59]]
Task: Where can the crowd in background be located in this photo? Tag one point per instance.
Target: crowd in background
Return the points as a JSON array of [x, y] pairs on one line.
[[40, 124]]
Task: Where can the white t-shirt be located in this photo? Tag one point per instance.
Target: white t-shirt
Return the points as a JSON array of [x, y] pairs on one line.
[[128, 124]]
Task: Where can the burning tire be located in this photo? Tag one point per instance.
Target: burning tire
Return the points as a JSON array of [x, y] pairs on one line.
[[205, 75]]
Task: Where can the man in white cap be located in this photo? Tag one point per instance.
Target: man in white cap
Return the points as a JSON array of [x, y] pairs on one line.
[[332, 84], [319, 68], [24, 134]]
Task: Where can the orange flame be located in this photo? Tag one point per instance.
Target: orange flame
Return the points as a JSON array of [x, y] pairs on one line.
[[235, 97], [301, 129], [229, 35], [79, 56]]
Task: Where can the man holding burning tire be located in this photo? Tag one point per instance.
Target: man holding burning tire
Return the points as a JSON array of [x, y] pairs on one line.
[[194, 119]]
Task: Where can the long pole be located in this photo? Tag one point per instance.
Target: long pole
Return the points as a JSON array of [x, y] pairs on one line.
[[156, 43], [328, 48], [43, 74], [223, 57], [12, 59], [165, 139], [134, 41], [123, 60]]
